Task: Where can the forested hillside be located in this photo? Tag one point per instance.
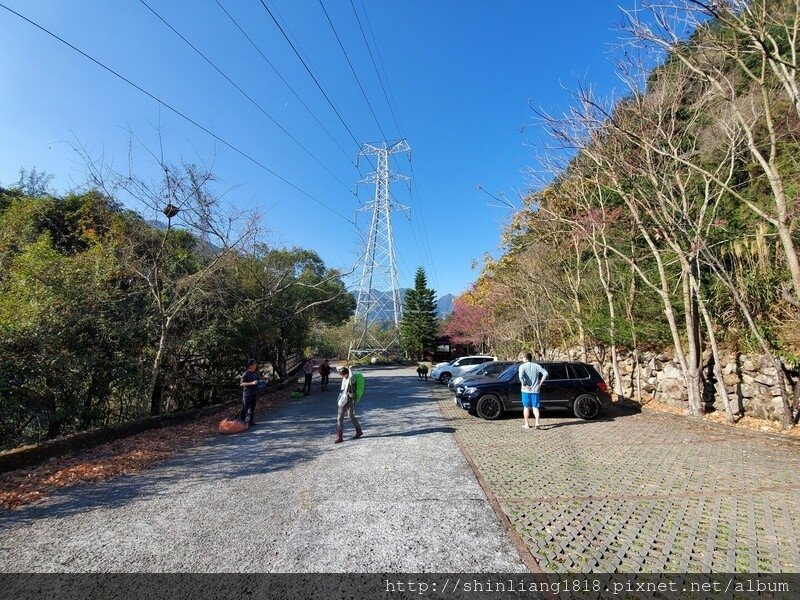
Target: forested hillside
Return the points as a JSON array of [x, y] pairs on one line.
[[671, 220], [106, 317]]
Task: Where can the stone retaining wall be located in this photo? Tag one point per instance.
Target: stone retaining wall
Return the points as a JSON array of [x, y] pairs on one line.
[[751, 380]]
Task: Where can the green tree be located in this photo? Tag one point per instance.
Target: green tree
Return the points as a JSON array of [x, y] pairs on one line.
[[33, 183], [91, 292], [284, 295], [71, 323], [419, 324]]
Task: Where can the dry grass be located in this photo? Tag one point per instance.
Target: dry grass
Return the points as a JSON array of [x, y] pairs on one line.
[[113, 459]]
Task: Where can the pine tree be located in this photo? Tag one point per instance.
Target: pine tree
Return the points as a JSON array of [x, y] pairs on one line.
[[419, 324]]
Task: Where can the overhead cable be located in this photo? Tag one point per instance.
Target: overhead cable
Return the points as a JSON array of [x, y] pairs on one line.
[[288, 85], [308, 69], [377, 72], [353, 70], [246, 95], [177, 112]]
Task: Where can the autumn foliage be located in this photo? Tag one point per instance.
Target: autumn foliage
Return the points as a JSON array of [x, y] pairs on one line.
[[470, 323]]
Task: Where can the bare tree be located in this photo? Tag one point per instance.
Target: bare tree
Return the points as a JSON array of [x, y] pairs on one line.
[[760, 39], [194, 216], [633, 175]]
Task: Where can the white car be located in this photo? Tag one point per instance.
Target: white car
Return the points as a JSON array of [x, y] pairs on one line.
[[444, 371]]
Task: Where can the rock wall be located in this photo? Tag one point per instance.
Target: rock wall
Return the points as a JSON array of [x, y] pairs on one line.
[[751, 380]]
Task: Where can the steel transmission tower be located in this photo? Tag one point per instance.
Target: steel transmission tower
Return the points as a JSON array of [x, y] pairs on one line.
[[378, 305]]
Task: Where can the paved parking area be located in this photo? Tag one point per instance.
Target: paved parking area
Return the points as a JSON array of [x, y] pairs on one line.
[[638, 492]]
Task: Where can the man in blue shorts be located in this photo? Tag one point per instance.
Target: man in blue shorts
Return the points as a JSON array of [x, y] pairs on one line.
[[531, 376]]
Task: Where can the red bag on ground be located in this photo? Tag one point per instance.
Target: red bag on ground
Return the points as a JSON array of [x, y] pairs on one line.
[[232, 426]]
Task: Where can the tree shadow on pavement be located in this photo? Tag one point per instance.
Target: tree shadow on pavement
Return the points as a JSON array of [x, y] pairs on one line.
[[573, 421], [415, 432], [260, 450], [298, 432]]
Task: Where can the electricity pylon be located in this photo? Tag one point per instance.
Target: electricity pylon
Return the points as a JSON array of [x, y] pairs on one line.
[[378, 302]]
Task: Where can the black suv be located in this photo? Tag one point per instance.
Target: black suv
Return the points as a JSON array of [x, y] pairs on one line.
[[575, 386]]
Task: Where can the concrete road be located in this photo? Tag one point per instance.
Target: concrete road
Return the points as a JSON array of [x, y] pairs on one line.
[[283, 498]]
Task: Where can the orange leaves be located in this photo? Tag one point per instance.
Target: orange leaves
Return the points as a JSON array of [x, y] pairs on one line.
[[113, 459]]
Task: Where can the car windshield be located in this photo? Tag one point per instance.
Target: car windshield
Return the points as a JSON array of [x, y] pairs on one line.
[[492, 369], [509, 373]]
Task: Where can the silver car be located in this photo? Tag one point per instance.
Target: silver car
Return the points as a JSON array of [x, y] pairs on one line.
[[489, 369], [443, 372]]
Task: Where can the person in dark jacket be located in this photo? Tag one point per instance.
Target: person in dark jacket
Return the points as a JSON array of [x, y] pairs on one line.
[[249, 385], [324, 373]]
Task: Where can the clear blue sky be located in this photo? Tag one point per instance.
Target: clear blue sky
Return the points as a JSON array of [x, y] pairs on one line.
[[461, 74]]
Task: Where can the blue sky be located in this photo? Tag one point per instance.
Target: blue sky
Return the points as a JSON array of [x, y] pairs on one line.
[[461, 75]]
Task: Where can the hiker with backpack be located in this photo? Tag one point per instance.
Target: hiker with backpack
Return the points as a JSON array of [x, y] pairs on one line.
[[350, 393]]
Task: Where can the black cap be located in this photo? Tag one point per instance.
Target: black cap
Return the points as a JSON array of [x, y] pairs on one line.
[[251, 362]]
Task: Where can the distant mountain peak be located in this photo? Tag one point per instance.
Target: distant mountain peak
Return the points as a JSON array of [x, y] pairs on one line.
[[444, 304]]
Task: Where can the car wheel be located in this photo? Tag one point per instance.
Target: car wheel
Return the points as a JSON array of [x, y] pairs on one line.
[[586, 406], [445, 378], [489, 407]]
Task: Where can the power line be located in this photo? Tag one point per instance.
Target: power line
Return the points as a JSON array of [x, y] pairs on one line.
[[423, 228], [176, 111], [385, 76], [246, 95], [372, 58], [425, 252], [308, 69], [288, 85], [366, 98], [298, 45], [280, 22], [386, 95], [353, 70]]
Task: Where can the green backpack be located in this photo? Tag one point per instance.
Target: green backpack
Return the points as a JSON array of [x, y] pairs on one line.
[[358, 387]]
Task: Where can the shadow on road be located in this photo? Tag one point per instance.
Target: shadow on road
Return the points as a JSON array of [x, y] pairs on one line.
[[300, 430], [565, 417], [416, 432]]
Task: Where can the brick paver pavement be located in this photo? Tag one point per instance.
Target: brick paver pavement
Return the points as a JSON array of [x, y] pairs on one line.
[[639, 492]]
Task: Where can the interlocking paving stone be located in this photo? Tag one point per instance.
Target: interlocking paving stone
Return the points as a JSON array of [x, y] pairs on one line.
[[639, 492]]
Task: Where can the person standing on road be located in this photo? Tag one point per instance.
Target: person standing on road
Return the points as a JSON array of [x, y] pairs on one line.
[[324, 373], [531, 376], [308, 370], [346, 403], [249, 385]]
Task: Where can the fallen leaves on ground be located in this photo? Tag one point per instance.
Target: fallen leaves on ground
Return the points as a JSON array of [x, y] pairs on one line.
[[753, 424], [743, 422], [112, 459]]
